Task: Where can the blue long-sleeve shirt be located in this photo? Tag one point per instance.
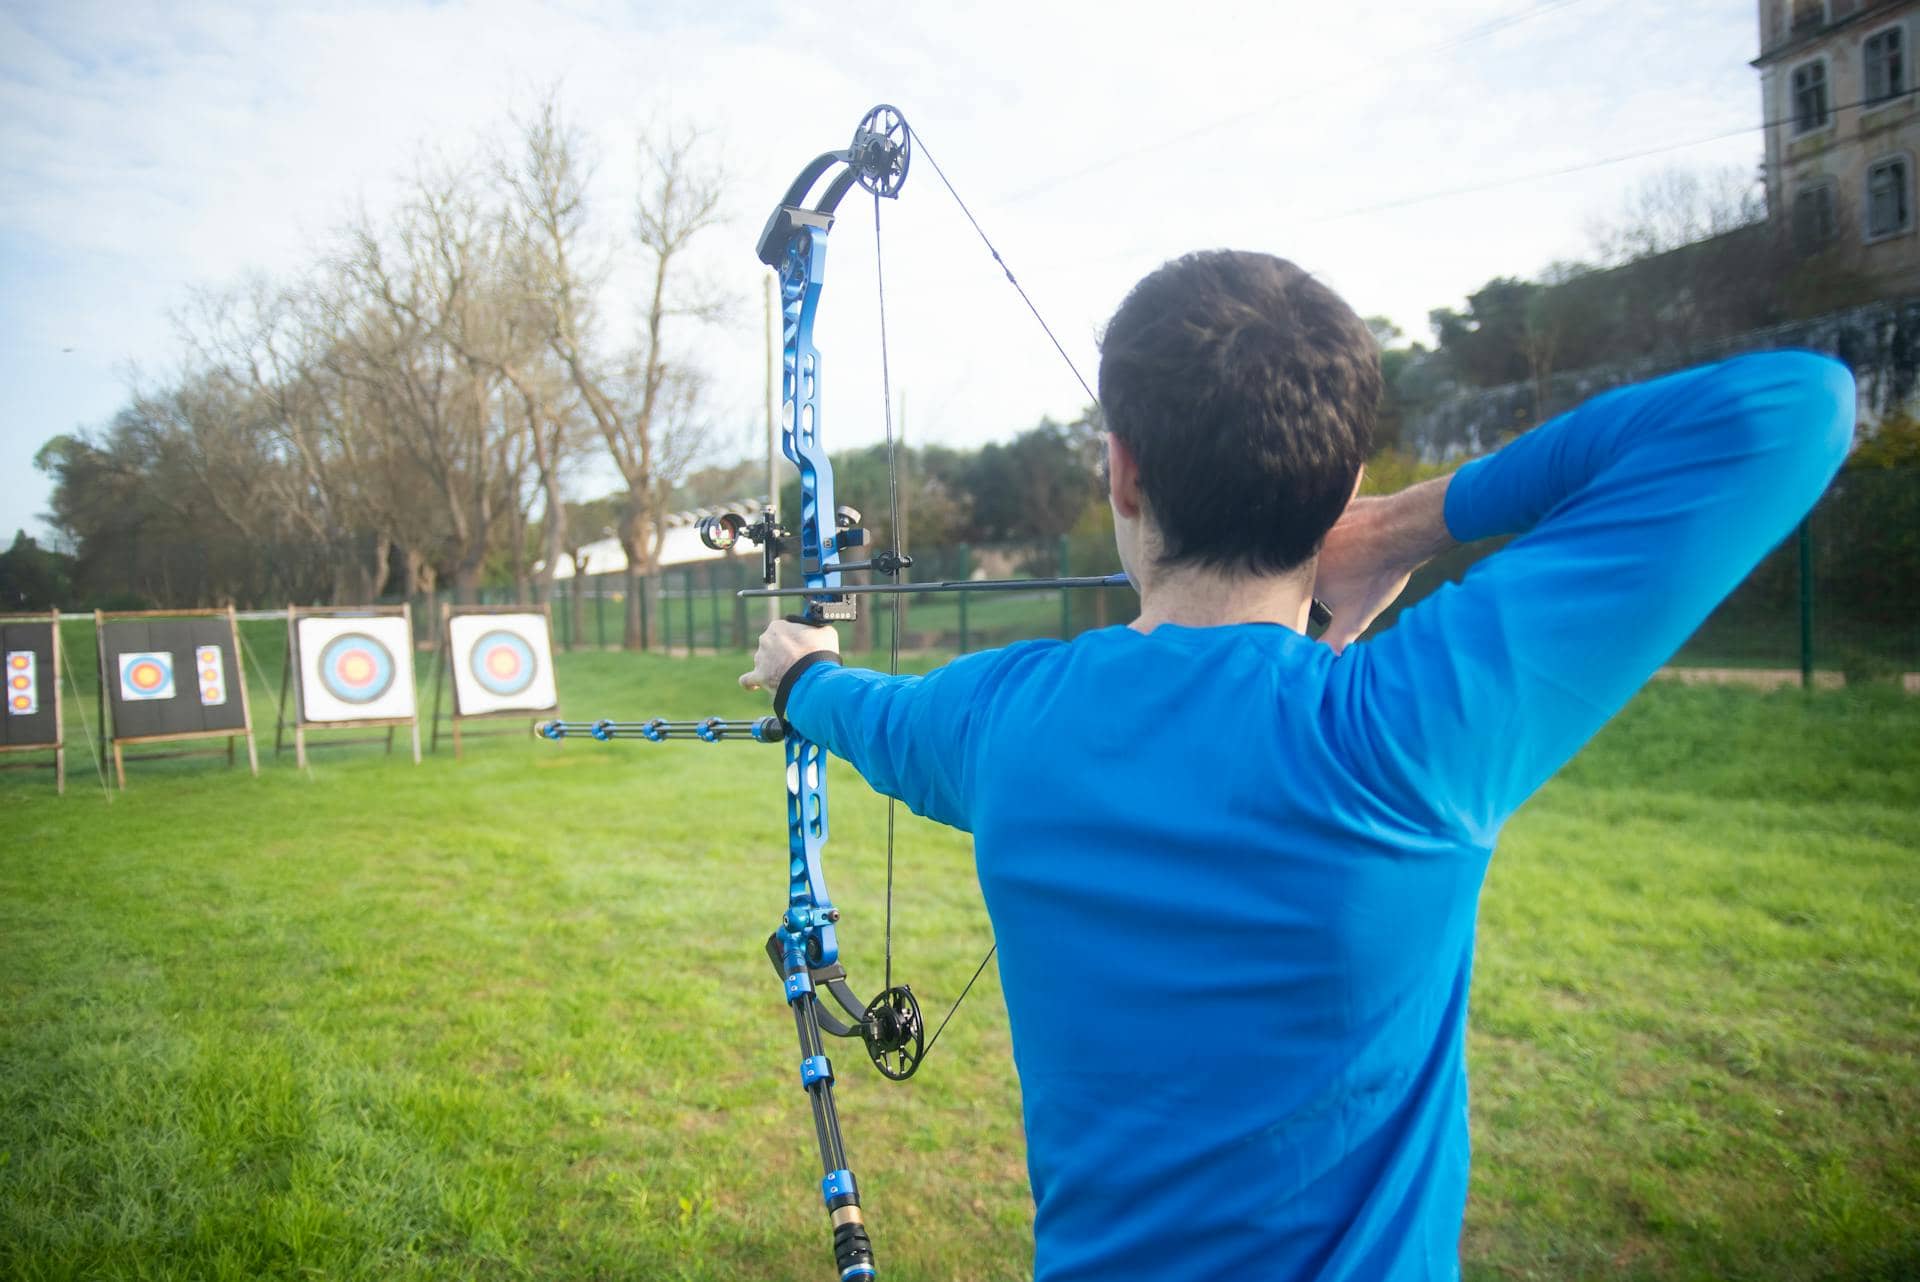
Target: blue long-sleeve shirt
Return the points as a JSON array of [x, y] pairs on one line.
[[1234, 876]]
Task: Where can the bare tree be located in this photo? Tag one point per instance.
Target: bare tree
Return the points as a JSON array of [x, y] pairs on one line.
[[416, 308], [272, 341], [401, 410], [642, 405], [1677, 207]]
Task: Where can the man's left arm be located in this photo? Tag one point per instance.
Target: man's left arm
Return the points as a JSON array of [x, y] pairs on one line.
[[909, 737]]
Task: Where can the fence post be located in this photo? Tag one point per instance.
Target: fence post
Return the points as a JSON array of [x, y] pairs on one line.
[[687, 587], [739, 606], [713, 603], [666, 614], [1806, 603], [966, 560], [1066, 598], [600, 614]]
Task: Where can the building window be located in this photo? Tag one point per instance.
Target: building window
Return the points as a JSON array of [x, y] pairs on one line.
[[1889, 198], [1885, 59], [1810, 97], [1808, 13], [1815, 221]]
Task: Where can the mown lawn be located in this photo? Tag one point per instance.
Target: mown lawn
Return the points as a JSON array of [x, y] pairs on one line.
[[510, 1018]]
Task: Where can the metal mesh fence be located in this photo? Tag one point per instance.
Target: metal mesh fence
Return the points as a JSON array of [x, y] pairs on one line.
[[1839, 600]]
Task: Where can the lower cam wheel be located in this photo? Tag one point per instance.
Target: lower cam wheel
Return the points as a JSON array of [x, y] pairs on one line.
[[894, 1034]]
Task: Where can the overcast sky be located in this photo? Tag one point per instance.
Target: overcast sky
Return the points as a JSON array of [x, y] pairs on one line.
[[153, 149]]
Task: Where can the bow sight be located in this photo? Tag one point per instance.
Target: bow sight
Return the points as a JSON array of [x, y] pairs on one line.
[[722, 533]]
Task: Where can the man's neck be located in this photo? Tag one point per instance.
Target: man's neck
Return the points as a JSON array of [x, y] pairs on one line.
[[1210, 599]]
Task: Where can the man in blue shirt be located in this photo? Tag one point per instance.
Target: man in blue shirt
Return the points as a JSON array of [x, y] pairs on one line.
[[1277, 842]]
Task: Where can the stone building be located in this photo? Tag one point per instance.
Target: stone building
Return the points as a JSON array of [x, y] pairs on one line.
[[1837, 83]]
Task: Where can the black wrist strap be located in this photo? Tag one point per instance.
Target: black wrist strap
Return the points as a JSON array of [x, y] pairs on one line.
[[793, 676]]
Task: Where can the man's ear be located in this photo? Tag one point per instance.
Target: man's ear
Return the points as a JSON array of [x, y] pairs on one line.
[[1123, 478]]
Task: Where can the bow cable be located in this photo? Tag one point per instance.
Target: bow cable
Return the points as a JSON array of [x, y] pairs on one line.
[[1011, 279]]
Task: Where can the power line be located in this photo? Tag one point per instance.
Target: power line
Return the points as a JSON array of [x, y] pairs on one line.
[[1495, 184], [1491, 27]]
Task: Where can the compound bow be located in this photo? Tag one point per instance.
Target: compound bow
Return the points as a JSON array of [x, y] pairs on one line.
[[804, 948]]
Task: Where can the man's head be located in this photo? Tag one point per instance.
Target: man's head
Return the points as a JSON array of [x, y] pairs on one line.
[[1243, 393]]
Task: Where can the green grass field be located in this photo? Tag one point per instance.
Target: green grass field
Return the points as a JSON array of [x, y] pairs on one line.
[[510, 1017]]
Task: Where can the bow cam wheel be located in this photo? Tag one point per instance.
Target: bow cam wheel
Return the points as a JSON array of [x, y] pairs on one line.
[[894, 1034], [881, 150]]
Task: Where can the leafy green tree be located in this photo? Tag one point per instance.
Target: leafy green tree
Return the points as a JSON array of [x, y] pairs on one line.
[[1034, 488], [33, 577], [1486, 345]]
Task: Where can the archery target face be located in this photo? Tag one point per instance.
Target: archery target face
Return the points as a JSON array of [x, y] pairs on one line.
[[146, 674], [23, 683], [211, 670], [502, 663], [355, 669]]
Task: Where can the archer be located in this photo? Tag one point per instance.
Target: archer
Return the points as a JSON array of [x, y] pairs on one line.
[[1280, 841]]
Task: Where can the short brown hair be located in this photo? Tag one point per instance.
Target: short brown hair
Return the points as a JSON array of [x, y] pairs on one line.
[[1247, 391]]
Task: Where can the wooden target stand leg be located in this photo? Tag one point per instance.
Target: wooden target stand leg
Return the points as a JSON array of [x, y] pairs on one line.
[[246, 702], [440, 662]]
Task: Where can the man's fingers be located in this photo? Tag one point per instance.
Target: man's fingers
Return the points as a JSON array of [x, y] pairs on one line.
[[750, 681]]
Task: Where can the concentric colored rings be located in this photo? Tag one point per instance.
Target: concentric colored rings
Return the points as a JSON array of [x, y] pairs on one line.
[[356, 668], [502, 662]]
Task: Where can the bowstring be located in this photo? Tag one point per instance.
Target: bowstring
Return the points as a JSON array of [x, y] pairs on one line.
[[897, 535], [894, 536]]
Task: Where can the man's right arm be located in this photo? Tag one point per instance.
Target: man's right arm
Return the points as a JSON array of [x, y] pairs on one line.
[[1637, 514]]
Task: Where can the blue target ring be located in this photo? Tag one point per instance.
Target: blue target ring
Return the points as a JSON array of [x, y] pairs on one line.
[[502, 662], [356, 668]]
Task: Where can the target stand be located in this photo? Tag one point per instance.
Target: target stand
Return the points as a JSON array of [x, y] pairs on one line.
[[168, 676], [499, 660], [30, 670], [348, 668]]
